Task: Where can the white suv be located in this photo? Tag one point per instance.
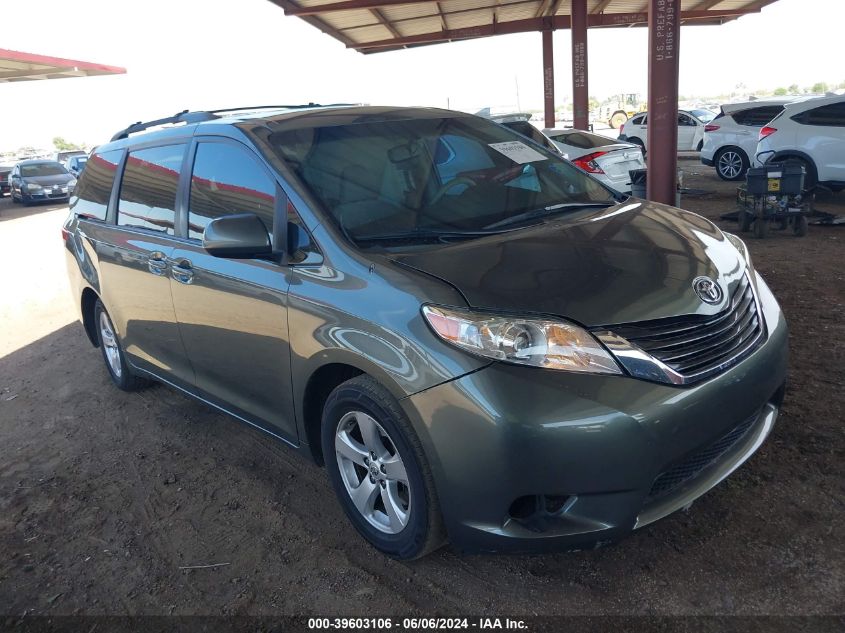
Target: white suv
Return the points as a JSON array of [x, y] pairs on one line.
[[690, 131], [811, 133], [730, 139]]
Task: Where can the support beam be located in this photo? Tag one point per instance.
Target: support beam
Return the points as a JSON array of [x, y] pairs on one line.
[[549, 78], [664, 33], [521, 26], [580, 97]]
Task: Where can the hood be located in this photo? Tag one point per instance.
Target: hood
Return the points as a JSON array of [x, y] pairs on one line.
[[635, 261], [48, 181]]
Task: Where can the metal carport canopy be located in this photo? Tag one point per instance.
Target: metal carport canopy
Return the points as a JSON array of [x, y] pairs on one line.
[[18, 66], [372, 26]]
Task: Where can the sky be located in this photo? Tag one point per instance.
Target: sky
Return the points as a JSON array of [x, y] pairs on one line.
[[207, 54]]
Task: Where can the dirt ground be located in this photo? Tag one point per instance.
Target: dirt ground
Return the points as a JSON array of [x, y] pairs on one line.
[[105, 496]]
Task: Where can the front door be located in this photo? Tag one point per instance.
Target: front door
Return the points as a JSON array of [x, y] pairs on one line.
[[133, 256], [232, 313]]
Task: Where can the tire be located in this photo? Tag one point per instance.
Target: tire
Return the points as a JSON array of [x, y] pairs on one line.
[[639, 142], [731, 164], [799, 227], [113, 356], [618, 120], [761, 228], [361, 408]]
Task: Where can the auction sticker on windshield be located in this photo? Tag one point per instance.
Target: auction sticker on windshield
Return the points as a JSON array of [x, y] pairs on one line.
[[518, 152]]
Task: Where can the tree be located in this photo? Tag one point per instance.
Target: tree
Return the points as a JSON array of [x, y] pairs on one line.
[[779, 92], [63, 145], [793, 89], [819, 87]]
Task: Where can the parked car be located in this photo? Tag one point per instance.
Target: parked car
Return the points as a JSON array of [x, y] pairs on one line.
[[730, 139], [63, 155], [75, 164], [40, 180], [690, 131], [5, 170], [604, 158], [811, 133], [476, 339]]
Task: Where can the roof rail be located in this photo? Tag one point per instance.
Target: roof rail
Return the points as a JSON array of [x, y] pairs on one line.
[[185, 116], [180, 117]]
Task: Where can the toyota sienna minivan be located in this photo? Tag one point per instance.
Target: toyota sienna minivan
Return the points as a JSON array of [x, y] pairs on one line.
[[480, 342]]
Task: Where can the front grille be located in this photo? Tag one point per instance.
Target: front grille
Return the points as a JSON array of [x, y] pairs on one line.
[[693, 464], [698, 346]]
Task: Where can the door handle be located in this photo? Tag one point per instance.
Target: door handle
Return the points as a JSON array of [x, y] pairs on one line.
[[157, 263], [182, 271]]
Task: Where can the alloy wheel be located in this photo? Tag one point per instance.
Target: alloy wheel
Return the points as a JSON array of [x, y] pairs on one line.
[[730, 164], [110, 345], [372, 472]]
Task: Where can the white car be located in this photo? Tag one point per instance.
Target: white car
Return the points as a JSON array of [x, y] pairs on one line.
[[604, 158], [690, 131], [811, 133], [730, 139]]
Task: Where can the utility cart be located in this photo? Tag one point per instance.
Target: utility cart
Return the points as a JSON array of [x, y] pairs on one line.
[[772, 195]]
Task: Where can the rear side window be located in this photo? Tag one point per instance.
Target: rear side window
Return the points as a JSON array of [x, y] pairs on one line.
[[148, 191], [638, 120], [757, 117], [832, 115], [228, 180], [90, 199]]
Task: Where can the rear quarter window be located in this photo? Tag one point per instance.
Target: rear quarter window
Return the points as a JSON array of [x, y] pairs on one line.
[[757, 117], [90, 198]]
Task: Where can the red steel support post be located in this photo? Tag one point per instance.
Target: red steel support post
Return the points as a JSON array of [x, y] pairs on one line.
[[580, 97], [549, 78], [664, 32]]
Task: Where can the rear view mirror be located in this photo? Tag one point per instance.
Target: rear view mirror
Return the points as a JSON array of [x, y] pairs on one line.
[[404, 152], [241, 236]]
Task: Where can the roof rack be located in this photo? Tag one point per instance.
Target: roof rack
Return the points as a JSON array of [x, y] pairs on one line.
[[185, 116], [180, 117]]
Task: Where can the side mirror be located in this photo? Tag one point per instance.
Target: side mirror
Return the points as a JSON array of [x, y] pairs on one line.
[[241, 236]]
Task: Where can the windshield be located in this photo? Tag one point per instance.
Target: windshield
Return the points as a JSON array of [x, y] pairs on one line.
[[42, 169], [449, 175], [705, 116]]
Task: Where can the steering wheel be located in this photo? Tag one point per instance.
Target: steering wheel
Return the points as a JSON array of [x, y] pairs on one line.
[[460, 180]]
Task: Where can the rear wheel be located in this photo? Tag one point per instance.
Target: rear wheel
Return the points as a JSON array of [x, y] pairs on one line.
[[731, 164], [638, 142], [379, 471], [119, 371], [618, 120], [761, 227]]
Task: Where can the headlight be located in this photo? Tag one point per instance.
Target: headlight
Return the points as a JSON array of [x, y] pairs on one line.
[[31, 186], [535, 342], [739, 245], [71, 183]]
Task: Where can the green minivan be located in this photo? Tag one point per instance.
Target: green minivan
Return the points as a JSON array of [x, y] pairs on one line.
[[480, 342]]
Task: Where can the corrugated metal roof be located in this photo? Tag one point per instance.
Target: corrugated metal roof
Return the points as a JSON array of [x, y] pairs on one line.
[[18, 66], [378, 25]]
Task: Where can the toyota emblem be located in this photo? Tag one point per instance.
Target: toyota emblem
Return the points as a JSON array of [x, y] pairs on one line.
[[707, 290]]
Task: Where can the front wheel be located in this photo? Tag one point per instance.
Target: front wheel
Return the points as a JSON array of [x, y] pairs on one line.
[[379, 471]]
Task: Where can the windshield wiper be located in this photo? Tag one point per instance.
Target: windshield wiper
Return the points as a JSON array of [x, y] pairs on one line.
[[548, 211], [424, 235]]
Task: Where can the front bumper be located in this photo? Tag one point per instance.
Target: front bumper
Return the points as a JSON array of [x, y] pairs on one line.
[[61, 193], [587, 450]]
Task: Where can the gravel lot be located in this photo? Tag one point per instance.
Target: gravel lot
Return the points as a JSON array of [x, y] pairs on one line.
[[104, 496]]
